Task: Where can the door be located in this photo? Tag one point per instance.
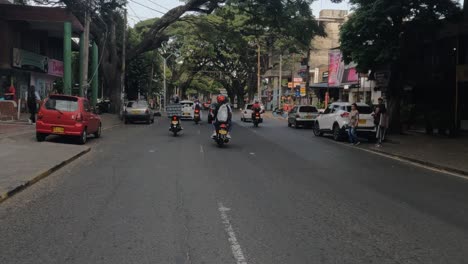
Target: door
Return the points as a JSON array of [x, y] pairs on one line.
[[89, 117], [326, 119]]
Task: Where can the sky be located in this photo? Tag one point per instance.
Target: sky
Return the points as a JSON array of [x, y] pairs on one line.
[[144, 9]]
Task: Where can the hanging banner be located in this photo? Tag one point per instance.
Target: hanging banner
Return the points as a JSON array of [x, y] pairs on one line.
[[29, 60], [335, 68]]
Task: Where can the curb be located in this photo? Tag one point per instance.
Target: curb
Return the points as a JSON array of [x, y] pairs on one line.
[[420, 162], [40, 176]]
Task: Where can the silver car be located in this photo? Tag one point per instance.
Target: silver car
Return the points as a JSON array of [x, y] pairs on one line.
[[138, 111]]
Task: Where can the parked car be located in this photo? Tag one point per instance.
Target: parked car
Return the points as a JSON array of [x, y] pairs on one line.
[[187, 110], [246, 113], [138, 111], [302, 115], [67, 116], [335, 120]]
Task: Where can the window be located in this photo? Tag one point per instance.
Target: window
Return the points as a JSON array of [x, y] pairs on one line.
[[62, 103], [249, 107], [130, 104], [362, 109], [294, 110], [308, 109]]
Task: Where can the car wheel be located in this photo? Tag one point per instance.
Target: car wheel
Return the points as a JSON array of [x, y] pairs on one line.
[[336, 133], [148, 121], [152, 120], [98, 132], [316, 128], [289, 124], [295, 125], [125, 120], [40, 137], [83, 137]]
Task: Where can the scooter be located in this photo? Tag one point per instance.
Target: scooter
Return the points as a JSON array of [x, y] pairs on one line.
[[256, 119], [221, 137], [175, 125], [196, 116]]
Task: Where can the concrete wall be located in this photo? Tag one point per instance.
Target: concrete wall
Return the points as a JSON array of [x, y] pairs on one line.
[[331, 20]]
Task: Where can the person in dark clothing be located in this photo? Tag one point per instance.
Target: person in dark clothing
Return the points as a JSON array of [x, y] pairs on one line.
[[380, 121], [32, 103]]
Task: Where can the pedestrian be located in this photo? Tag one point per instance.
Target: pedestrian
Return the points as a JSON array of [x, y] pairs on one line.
[[380, 121], [33, 99], [353, 123]]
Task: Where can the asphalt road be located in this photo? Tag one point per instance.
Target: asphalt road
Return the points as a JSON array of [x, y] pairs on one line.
[[274, 195]]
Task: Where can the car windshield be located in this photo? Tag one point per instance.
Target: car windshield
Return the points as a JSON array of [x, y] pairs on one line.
[[249, 107], [64, 104], [140, 104], [362, 109], [308, 109]]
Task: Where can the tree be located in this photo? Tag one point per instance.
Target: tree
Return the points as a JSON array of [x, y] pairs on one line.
[[376, 32]]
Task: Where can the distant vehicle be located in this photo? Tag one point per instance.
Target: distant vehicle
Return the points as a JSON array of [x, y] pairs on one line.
[[210, 113], [138, 111], [67, 116], [247, 112], [302, 115], [175, 125], [206, 105], [335, 120], [187, 110]]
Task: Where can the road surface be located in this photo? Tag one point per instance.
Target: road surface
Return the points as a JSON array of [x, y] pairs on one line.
[[274, 195]]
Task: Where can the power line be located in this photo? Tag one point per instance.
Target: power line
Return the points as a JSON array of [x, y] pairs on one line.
[[147, 7], [134, 12], [158, 4]]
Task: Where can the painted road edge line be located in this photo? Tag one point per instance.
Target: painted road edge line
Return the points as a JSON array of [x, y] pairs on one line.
[[235, 246], [40, 176], [415, 162]]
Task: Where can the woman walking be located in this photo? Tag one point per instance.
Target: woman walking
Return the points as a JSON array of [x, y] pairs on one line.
[[32, 100], [353, 123]]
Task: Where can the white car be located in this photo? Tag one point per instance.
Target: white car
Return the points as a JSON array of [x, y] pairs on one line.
[[247, 112], [187, 109], [335, 120], [302, 115]]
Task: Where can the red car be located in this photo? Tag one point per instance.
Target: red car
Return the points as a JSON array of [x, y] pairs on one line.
[[66, 115]]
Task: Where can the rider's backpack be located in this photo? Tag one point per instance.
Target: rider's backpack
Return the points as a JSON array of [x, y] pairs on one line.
[[223, 113]]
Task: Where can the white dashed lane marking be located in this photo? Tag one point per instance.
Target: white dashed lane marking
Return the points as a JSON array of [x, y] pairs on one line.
[[235, 246]]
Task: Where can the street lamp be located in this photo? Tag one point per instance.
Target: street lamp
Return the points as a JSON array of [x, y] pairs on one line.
[[165, 88]]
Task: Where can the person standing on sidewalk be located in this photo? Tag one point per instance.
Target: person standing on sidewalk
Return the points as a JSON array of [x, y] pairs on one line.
[[353, 123], [380, 121], [33, 99]]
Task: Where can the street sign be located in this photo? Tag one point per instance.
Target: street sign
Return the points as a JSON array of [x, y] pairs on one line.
[[303, 91]]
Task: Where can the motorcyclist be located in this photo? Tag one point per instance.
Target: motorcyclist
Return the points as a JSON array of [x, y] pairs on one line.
[[197, 106], [256, 107], [221, 100]]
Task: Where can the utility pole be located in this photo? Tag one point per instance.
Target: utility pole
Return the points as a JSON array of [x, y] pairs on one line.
[[259, 90], [164, 74], [280, 88], [85, 54], [122, 76]]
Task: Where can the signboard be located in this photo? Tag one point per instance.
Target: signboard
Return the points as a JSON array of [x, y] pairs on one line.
[[29, 61], [55, 68], [303, 91], [382, 78], [298, 80], [334, 67]]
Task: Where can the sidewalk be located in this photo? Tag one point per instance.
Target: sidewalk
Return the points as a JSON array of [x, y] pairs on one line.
[[270, 115], [25, 161], [450, 154]]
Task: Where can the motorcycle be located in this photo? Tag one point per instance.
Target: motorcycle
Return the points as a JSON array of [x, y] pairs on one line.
[[256, 119], [175, 125], [196, 116], [221, 137]]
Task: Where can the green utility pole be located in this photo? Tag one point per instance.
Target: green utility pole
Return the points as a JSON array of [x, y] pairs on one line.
[[67, 86], [95, 72], [82, 40]]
